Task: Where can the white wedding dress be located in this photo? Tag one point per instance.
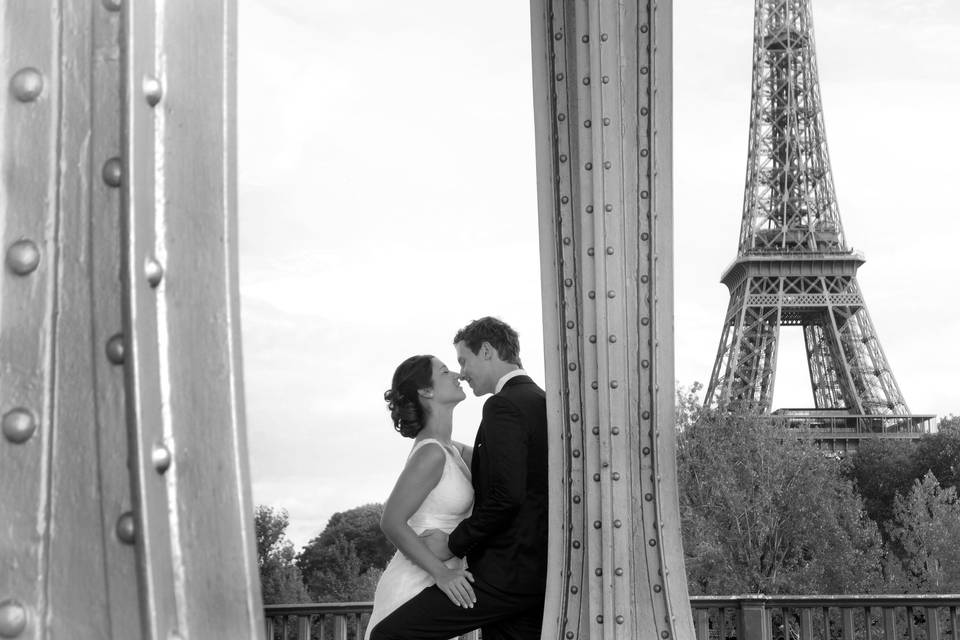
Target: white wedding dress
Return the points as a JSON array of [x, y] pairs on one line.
[[444, 508]]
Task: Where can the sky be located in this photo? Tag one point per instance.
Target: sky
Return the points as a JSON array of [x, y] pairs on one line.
[[388, 197]]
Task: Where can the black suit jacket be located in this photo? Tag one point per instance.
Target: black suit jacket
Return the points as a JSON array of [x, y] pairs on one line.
[[505, 538]]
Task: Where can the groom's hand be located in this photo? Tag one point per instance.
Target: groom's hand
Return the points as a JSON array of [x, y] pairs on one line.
[[436, 542]]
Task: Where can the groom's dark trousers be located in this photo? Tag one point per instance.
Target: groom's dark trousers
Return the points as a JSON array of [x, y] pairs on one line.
[[505, 538]]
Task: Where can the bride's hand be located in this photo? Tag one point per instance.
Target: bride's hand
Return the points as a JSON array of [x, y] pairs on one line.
[[455, 583]]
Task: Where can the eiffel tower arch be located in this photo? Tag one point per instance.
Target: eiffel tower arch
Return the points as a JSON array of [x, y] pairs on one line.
[[794, 266]]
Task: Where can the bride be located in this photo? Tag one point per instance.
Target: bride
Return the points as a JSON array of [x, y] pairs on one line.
[[433, 491]]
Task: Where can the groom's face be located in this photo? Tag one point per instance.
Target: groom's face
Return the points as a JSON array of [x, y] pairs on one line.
[[474, 368]]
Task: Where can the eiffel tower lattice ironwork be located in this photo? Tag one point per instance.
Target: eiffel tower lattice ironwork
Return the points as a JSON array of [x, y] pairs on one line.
[[794, 266]]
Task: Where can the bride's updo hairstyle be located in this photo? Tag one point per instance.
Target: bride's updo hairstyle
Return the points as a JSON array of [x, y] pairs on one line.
[[403, 401]]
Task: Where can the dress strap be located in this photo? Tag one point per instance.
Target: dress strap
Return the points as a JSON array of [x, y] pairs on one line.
[[417, 445]]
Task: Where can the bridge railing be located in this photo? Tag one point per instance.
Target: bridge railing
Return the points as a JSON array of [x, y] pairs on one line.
[[891, 617]]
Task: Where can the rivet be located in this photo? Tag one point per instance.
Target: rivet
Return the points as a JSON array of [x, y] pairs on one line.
[[615, 475], [574, 589], [592, 338], [112, 5], [605, 79], [617, 524], [594, 385], [126, 528], [576, 500], [652, 542], [18, 425], [644, 236], [564, 199], [576, 453], [646, 451], [606, 122], [608, 208], [26, 84], [112, 172], [591, 294], [612, 339], [586, 80], [644, 195], [619, 619], [614, 384], [598, 572], [644, 153], [576, 544], [589, 208], [588, 166], [568, 282], [596, 477], [115, 349], [572, 366], [161, 458], [644, 111], [664, 634], [13, 618], [570, 324], [152, 90], [566, 241], [569, 635], [23, 257], [595, 431], [644, 321], [586, 123], [559, 77], [563, 157], [607, 164], [599, 619], [557, 36], [574, 417], [615, 431], [153, 271], [644, 278], [597, 524], [605, 464], [644, 71], [644, 28], [585, 39], [657, 588], [611, 294], [644, 363], [645, 415], [590, 252], [609, 251], [561, 117], [618, 571], [603, 37]]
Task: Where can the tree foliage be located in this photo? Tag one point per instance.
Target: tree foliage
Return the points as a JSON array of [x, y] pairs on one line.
[[765, 512], [926, 525], [344, 562], [280, 578]]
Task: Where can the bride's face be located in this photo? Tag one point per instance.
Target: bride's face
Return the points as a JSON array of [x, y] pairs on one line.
[[446, 384]]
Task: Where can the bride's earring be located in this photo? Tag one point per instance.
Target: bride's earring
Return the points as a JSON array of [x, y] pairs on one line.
[[425, 393]]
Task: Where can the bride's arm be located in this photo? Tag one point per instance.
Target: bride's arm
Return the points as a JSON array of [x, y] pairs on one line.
[[466, 452], [421, 474]]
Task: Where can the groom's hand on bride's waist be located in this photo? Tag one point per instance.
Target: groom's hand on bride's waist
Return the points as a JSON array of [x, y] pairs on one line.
[[436, 541]]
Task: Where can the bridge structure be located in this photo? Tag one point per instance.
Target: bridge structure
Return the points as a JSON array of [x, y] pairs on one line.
[[794, 266], [124, 482]]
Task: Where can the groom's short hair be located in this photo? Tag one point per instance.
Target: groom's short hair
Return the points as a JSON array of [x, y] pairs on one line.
[[498, 333]]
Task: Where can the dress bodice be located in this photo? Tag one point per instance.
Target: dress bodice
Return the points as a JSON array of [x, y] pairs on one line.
[[451, 500]]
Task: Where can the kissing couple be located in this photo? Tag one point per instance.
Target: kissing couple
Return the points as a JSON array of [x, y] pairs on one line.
[[469, 523]]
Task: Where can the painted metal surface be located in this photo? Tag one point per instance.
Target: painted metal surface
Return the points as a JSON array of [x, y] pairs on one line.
[[794, 266], [123, 472], [602, 88]]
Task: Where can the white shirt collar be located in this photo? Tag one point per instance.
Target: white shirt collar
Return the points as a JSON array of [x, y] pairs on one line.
[[509, 376]]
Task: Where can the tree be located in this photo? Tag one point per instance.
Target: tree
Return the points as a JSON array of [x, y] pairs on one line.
[[344, 562], [940, 453], [766, 512], [689, 406], [280, 579], [880, 469], [926, 525]]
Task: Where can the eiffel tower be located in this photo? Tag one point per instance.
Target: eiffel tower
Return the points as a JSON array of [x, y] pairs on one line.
[[794, 266]]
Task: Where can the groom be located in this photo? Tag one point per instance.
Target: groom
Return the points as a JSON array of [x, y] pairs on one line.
[[505, 539]]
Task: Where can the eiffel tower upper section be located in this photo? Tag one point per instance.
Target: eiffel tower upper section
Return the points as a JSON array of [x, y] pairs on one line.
[[789, 203], [794, 266]]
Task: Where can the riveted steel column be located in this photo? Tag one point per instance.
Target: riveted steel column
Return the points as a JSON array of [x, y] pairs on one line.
[[192, 520], [602, 86]]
